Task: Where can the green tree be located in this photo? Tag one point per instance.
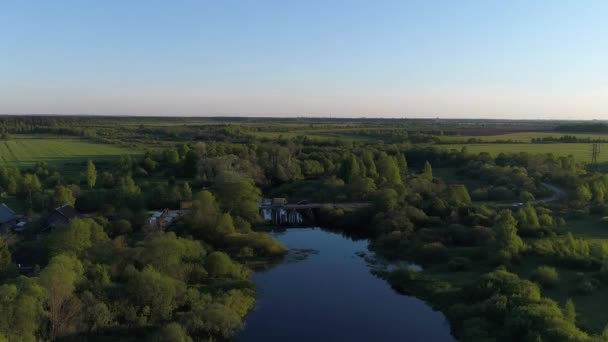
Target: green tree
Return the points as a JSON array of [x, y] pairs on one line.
[[172, 332], [172, 157], [5, 256], [570, 311], [428, 171], [219, 264], [91, 174], [23, 315], [29, 184], [402, 163], [63, 195], [583, 193], [385, 200], [225, 225], [350, 169], [505, 228], [76, 237], [155, 292], [370, 165], [186, 191], [388, 169], [204, 214], [239, 196], [211, 320], [172, 255], [60, 278], [528, 217], [191, 164], [127, 186], [546, 276], [459, 195]]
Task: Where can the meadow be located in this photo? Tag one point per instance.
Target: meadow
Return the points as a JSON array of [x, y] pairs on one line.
[[24, 151], [580, 151], [521, 137]]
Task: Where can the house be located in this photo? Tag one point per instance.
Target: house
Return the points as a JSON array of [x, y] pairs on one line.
[[8, 219], [60, 215], [160, 220]]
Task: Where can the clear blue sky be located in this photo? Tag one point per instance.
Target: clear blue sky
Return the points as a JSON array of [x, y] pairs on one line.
[[492, 59]]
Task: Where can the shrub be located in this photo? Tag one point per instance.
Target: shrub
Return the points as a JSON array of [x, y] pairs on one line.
[[587, 286], [546, 276], [432, 252], [459, 264]]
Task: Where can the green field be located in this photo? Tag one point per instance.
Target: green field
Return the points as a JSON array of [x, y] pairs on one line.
[[25, 151], [522, 136], [581, 152]]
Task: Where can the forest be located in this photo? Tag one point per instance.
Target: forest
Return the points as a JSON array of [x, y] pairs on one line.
[[513, 245]]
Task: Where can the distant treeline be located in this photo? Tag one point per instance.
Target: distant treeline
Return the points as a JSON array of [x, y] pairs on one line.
[[567, 139], [583, 128]]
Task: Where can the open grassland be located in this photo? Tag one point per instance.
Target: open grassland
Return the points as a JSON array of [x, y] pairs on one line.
[[25, 151], [581, 152], [319, 135], [524, 137]]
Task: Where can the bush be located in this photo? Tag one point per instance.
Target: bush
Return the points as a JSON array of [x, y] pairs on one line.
[[432, 252], [546, 276], [587, 286], [459, 264]]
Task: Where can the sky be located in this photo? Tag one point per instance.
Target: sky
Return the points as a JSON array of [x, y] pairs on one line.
[[519, 59]]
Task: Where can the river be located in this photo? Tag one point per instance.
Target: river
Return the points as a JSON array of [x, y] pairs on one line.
[[327, 293]]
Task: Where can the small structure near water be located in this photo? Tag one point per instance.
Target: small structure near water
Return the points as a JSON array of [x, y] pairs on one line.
[[277, 211]]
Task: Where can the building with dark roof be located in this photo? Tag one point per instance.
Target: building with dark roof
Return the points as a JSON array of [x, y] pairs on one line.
[[60, 215], [8, 219]]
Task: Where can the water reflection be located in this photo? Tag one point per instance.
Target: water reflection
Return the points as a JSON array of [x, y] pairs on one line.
[[324, 291]]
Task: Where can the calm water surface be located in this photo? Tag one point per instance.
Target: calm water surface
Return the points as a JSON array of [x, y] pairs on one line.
[[332, 296]]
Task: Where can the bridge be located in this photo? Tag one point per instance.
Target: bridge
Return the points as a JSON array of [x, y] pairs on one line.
[[301, 212]]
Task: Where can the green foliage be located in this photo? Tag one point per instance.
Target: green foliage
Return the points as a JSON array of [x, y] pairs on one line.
[[570, 311], [238, 196], [583, 193], [527, 217], [22, 302], [63, 195], [459, 195], [187, 191], [204, 214], [428, 171], [76, 237], [5, 256], [432, 253], [546, 276], [59, 278], [225, 225], [154, 294], [172, 255], [505, 229], [219, 264], [172, 332], [214, 319], [90, 174], [459, 264], [127, 186], [388, 170], [350, 170]]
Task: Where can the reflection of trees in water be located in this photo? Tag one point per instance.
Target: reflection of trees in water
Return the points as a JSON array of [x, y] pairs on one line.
[[300, 254]]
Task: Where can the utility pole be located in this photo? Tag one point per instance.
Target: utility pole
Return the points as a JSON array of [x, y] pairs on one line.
[[595, 151]]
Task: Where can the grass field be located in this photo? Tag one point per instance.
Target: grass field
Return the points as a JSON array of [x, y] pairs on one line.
[[523, 136], [581, 152], [25, 151]]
